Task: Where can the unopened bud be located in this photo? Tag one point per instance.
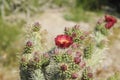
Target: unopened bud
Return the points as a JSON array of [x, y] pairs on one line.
[[90, 75], [36, 26], [69, 51], [56, 51], [23, 59], [46, 55], [78, 54], [29, 44], [76, 26], [74, 34], [77, 60], [74, 45], [63, 67], [82, 64], [66, 29], [74, 76], [36, 59], [82, 37]]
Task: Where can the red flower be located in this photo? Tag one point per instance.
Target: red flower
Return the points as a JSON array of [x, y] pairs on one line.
[[63, 41], [63, 67], [110, 21], [77, 60], [74, 75]]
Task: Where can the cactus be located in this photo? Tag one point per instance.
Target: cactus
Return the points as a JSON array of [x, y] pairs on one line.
[[75, 54], [34, 59]]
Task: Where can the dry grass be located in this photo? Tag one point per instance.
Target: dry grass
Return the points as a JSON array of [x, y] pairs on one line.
[[9, 74]]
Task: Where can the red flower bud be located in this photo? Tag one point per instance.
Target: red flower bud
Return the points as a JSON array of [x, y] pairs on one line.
[[74, 76], [74, 34], [66, 29], [90, 75], [36, 26], [36, 59], [46, 55], [63, 41], [63, 67], [82, 64], [86, 33], [23, 59], [78, 54], [77, 60], [56, 51], [36, 54], [74, 45], [76, 26], [100, 21], [82, 37], [69, 51], [29, 44]]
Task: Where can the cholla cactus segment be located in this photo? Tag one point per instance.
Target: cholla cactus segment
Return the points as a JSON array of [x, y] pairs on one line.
[[36, 27], [88, 51], [34, 57], [28, 47], [68, 62], [32, 74], [100, 38], [87, 75], [100, 28]]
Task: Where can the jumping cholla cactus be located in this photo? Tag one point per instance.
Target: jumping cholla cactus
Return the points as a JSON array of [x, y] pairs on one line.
[[73, 58], [34, 57]]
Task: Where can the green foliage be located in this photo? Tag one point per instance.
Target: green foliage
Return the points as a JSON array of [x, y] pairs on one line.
[[91, 4], [77, 14], [34, 59], [28, 7], [61, 3], [101, 29], [88, 51], [8, 36], [116, 76]]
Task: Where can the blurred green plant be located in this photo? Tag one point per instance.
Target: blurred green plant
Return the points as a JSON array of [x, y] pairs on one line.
[[91, 4], [8, 38], [77, 14], [62, 3], [28, 7], [116, 76], [115, 36]]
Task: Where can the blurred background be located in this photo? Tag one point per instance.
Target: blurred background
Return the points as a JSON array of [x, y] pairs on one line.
[[16, 15]]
